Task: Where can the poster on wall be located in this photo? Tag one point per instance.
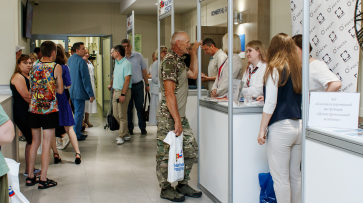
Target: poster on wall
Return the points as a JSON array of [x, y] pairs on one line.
[[165, 8], [332, 36], [138, 42], [130, 22], [243, 46]]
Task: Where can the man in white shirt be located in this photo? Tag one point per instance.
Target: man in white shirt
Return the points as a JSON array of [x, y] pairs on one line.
[[217, 59]]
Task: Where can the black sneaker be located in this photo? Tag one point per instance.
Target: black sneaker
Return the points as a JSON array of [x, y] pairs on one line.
[[131, 131], [171, 194], [143, 132], [188, 191]]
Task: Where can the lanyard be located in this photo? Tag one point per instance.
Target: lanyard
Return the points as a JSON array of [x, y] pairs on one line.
[[249, 76]]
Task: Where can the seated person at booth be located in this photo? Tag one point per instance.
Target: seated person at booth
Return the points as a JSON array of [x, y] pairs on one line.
[[320, 77], [220, 86], [253, 76]]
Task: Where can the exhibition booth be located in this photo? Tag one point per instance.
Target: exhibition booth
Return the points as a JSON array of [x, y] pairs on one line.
[[230, 159]]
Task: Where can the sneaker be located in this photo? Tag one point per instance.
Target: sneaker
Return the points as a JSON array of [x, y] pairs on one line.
[[127, 138], [188, 191], [59, 145], [66, 141], [171, 194], [143, 132], [120, 141], [81, 139]]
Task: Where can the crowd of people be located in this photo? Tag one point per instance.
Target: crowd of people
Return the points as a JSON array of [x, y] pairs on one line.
[[54, 95]]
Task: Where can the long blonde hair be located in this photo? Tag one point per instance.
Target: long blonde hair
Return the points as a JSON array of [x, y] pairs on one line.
[[258, 46], [282, 55], [22, 58]]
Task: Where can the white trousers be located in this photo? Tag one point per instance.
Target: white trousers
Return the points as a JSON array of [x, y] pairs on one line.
[[284, 158]]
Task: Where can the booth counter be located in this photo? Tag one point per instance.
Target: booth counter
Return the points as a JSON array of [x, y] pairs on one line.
[[334, 163], [249, 158], [10, 150]]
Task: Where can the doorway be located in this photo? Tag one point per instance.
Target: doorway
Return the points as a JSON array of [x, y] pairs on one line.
[[99, 47], [216, 34]]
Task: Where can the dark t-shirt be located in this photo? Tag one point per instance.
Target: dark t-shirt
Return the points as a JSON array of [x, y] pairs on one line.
[[187, 61]]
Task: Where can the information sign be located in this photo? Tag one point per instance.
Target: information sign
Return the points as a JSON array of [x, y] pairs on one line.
[[334, 110], [165, 7]]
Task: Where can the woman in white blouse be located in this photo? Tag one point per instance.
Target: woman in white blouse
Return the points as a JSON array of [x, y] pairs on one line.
[[220, 86], [282, 116], [320, 77], [90, 107], [253, 76]]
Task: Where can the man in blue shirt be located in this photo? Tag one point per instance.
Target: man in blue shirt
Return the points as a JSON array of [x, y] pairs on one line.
[[139, 73], [122, 94], [81, 89]]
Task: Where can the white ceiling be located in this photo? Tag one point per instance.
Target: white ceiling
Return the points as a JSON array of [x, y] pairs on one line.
[[148, 7], [141, 7]]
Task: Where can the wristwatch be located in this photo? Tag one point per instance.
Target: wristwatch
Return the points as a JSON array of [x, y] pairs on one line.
[[123, 95], [147, 85]]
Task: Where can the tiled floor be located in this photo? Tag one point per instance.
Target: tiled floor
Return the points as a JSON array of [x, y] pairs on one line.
[[108, 173]]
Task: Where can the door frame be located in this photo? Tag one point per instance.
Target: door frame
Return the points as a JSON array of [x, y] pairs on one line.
[[65, 38]]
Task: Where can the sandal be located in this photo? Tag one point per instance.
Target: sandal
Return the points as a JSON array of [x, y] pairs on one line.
[[33, 181], [78, 160], [47, 184], [56, 159]]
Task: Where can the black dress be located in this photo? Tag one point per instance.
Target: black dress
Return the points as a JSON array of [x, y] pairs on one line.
[[21, 112]]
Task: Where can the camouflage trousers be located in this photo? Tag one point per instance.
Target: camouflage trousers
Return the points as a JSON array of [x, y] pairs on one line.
[[190, 148]]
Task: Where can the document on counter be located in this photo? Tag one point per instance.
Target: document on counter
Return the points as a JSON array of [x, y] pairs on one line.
[[334, 110]]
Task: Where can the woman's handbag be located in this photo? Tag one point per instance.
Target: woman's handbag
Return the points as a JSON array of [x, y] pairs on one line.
[[146, 112]]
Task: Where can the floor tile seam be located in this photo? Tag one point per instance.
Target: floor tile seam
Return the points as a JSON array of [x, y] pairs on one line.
[[127, 162]]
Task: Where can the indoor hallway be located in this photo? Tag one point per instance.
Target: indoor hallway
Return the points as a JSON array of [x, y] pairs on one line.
[[109, 173]]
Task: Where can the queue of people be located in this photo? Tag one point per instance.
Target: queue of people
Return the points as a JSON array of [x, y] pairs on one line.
[[272, 75]]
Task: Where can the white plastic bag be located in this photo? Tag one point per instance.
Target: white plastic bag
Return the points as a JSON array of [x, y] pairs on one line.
[[15, 195], [176, 157]]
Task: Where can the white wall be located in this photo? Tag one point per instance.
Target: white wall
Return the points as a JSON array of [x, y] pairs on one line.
[[93, 18], [8, 39], [280, 18]]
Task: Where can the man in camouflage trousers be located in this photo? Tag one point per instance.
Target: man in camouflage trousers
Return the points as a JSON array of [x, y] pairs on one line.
[[173, 76]]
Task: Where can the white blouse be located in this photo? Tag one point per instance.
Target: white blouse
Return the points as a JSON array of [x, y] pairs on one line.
[[256, 82], [221, 83], [320, 76], [271, 93]]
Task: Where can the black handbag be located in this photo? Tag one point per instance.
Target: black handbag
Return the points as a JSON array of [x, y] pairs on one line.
[[146, 112], [112, 123]]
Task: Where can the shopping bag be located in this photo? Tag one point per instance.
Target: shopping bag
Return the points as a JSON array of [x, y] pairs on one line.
[[267, 194], [146, 111], [176, 157], [15, 195]]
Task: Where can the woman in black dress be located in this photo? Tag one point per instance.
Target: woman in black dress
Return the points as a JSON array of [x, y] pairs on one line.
[[19, 85]]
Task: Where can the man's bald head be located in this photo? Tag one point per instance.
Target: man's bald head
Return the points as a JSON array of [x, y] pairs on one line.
[[180, 42]]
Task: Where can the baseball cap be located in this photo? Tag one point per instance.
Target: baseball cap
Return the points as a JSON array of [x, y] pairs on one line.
[[18, 48]]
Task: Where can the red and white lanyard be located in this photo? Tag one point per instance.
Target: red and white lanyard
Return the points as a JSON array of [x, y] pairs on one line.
[[249, 75]]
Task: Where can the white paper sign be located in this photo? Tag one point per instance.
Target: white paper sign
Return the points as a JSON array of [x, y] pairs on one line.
[[164, 6], [334, 110]]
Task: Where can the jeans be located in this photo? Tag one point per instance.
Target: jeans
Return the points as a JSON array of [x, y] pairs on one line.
[[137, 97], [78, 115]]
